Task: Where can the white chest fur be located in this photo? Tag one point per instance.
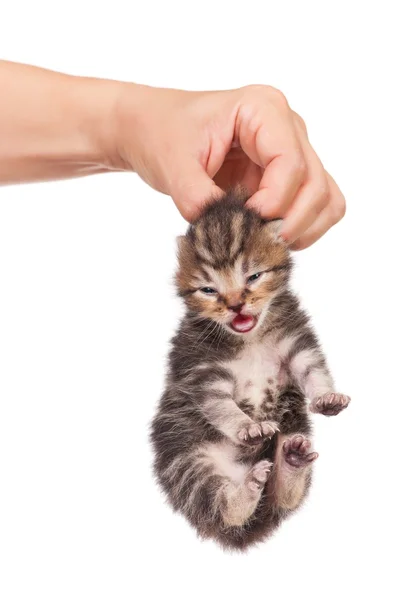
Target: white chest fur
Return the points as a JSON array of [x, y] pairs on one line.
[[256, 370]]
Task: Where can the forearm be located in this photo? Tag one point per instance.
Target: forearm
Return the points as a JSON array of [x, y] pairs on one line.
[[213, 388], [311, 373], [225, 416], [54, 126]]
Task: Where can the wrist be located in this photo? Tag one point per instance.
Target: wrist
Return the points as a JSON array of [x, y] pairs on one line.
[[97, 103], [127, 125], [115, 115]]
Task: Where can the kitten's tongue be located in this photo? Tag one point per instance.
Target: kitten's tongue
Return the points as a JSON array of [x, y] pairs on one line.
[[243, 323]]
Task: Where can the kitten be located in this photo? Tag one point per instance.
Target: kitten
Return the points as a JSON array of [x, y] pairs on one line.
[[232, 435]]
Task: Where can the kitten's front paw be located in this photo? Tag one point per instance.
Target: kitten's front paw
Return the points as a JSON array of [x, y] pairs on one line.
[[330, 404], [296, 451], [256, 433]]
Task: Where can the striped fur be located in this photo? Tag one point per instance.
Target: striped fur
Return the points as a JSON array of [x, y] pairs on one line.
[[233, 401]]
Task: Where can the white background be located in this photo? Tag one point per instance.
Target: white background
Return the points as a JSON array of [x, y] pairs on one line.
[[87, 308]]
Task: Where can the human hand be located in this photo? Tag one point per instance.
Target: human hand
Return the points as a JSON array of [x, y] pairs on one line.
[[190, 145], [193, 145]]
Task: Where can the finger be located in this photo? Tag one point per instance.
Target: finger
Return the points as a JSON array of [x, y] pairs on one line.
[[300, 123], [316, 231], [274, 146], [331, 214], [311, 199], [193, 190], [278, 187]]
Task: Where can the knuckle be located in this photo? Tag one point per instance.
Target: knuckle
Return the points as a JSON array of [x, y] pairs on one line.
[[338, 209], [300, 121], [321, 196], [276, 95], [299, 168], [270, 93]]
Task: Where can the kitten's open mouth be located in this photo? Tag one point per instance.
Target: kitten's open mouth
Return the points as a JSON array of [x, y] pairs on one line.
[[243, 323]]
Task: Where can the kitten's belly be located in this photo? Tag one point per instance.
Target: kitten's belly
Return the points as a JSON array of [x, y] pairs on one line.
[[257, 372]]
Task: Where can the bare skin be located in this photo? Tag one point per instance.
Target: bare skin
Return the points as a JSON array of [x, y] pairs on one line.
[[189, 145]]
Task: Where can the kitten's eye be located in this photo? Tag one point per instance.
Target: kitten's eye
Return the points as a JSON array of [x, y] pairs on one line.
[[208, 290], [253, 277]]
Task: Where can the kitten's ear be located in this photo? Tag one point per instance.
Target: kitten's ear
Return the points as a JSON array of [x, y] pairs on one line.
[[274, 227]]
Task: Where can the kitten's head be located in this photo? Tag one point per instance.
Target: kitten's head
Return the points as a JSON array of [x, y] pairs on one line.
[[232, 264]]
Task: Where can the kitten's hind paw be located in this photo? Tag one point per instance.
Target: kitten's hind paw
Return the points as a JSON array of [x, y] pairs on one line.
[[256, 433], [258, 475], [330, 404], [296, 451]]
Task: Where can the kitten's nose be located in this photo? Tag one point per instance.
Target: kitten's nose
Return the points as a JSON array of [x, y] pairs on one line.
[[237, 308]]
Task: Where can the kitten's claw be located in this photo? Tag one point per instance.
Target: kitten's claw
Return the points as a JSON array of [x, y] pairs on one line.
[[255, 433], [330, 404], [296, 451], [269, 428], [258, 475], [251, 434]]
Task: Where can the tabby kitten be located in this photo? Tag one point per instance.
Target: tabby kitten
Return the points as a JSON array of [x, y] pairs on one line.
[[232, 432]]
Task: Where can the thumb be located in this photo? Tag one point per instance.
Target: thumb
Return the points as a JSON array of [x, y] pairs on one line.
[[193, 190]]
